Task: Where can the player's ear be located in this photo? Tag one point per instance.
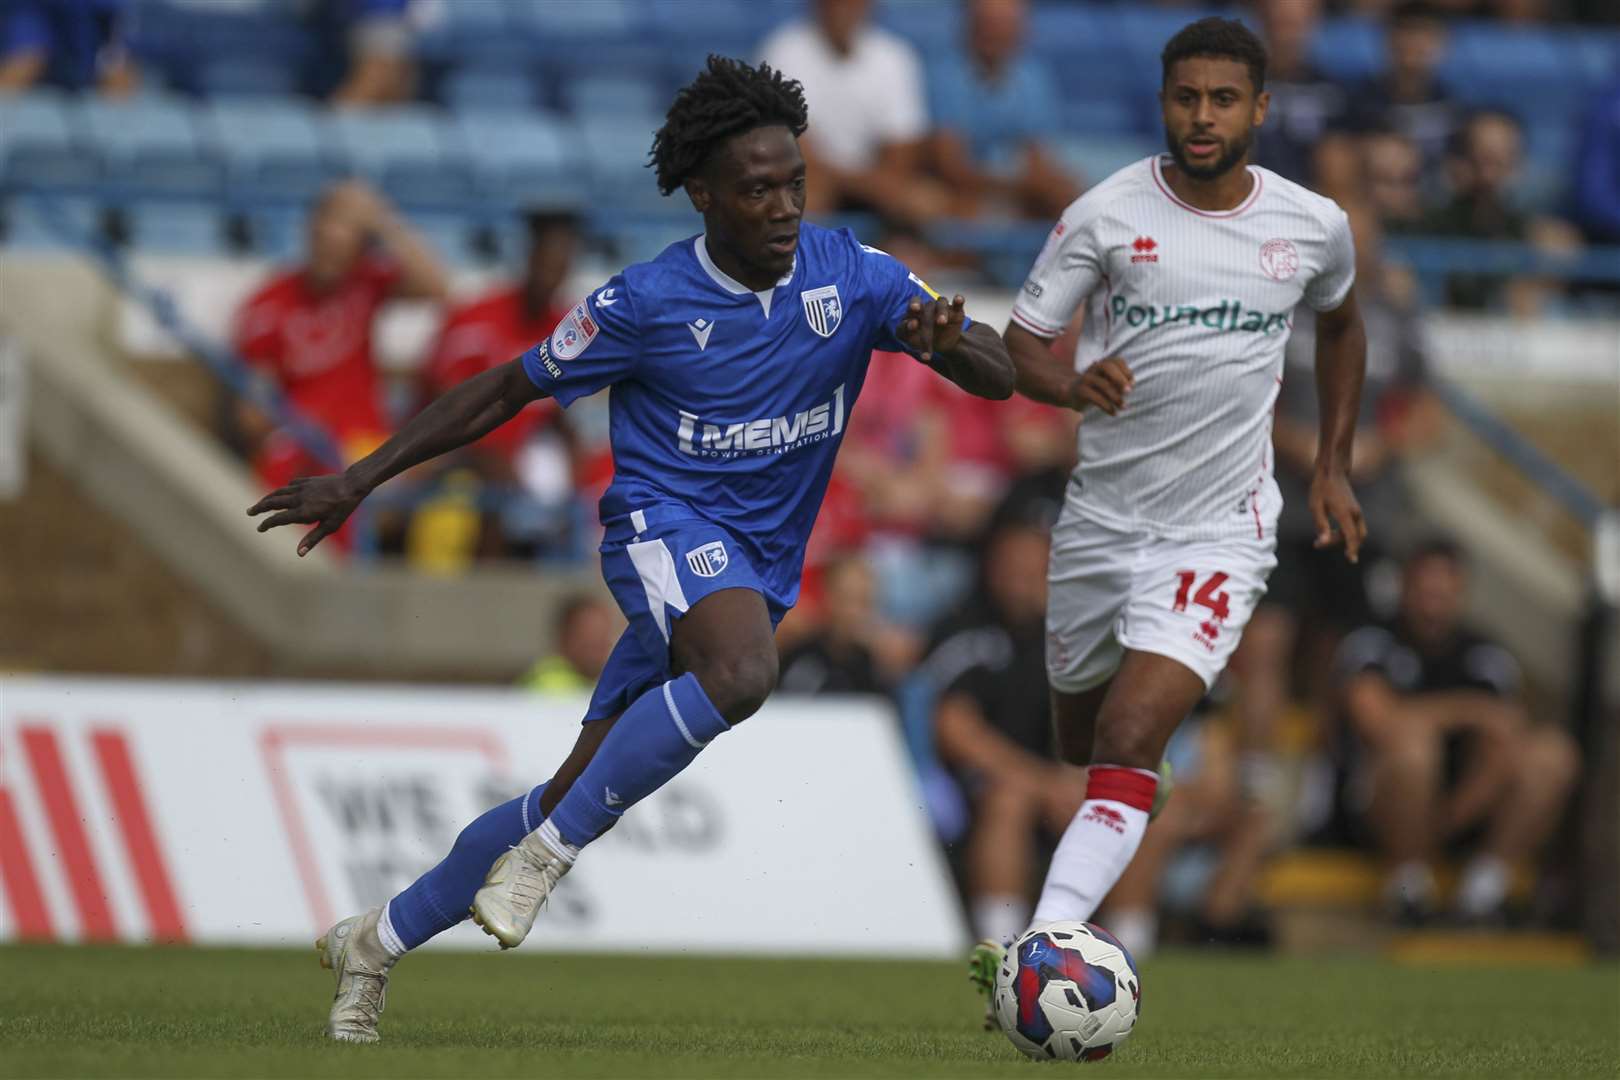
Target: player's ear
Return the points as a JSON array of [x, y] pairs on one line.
[[698, 192], [1262, 102]]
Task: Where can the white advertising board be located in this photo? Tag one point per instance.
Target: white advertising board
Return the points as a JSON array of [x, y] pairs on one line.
[[258, 813]]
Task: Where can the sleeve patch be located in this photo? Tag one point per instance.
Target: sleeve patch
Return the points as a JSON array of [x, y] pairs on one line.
[[573, 333]]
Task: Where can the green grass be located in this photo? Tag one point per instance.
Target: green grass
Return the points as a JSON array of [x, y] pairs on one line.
[[204, 1012]]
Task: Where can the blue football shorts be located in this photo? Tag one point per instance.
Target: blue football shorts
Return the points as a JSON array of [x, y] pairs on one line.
[[658, 563]]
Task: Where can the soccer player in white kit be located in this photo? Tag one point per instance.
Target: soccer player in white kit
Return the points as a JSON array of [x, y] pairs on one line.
[[1189, 265]]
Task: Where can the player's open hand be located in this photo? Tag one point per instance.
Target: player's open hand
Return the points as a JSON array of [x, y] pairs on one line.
[[1334, 506], [323, 501], [1105, 385], [931, 327]]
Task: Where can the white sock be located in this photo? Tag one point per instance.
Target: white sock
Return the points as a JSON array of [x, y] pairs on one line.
[[1483, 887], [1136, 928], [552, 839], [1098, 844], [392, 945], [999, 918]]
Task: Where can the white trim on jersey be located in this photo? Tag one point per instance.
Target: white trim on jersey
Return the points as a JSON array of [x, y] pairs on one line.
[[700, 248]]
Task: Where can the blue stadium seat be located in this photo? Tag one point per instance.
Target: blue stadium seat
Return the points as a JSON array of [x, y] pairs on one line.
[[272, 148], [583, 21], [616, 157], [176, 228], [627, 98], [450, 233], [1095, 157], [520, 158], [151, 144], [477, 87], [1348, 49], [39, 146], [240, 76], [1117, 115], [277, 232], [412, 151], [27, 223]]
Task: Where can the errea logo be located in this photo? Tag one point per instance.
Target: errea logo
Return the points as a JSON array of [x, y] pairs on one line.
[[1144, 247]]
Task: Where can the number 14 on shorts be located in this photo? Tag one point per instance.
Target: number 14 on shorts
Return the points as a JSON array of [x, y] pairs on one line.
[[1218, 602]]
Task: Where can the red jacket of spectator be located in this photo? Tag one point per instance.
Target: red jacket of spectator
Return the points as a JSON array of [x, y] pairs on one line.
[[484, 334]]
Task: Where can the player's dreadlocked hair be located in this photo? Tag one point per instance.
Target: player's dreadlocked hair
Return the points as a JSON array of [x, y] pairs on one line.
[[1215, 36], [727, 98]]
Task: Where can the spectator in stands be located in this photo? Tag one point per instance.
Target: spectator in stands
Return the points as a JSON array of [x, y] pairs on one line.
[[1597, 169], [1484, 165], [992, 722], [368, 57], [309, 329], [864, 86], [1445, 747], [1313, 599], [69, 44], [1302, 138], [851, 650], [993, 107], [1392, 167], [1409, 98], [586, 628], [532, 453]]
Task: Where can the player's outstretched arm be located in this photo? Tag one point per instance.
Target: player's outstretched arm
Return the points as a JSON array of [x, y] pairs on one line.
[[1341, 364], [1043, 377], [975, 359], [465, 412]]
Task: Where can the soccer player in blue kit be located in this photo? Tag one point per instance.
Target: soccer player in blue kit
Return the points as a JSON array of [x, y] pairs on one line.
[[734, 359]]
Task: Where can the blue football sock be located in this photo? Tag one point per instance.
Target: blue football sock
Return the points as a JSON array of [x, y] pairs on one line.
[[439, 899], [658, 736]]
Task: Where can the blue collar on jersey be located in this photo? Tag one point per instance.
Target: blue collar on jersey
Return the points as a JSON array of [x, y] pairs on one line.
[[700, 248]]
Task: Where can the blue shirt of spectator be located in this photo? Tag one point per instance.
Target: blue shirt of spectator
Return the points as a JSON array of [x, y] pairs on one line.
[[1597, 169], [79, 39], [995, 117]]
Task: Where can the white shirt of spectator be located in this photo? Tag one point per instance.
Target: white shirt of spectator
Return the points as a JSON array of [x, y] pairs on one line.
[[858, 103], [1200, 305]]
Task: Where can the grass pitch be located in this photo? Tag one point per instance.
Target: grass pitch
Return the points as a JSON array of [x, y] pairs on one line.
[[208, 1012]]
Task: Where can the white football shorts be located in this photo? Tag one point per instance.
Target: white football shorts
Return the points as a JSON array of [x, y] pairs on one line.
[[1108, 591]]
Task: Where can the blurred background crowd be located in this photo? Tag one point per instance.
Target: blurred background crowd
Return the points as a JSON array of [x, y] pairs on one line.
[[478, 162]]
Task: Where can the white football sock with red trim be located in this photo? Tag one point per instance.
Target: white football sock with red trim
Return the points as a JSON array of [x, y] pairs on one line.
[[1098, 844]]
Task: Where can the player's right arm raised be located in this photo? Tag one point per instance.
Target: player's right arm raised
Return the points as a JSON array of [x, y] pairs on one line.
[[463, 414]]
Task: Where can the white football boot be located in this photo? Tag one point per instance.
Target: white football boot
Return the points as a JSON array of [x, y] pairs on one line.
[[353, 952], [516, 888]]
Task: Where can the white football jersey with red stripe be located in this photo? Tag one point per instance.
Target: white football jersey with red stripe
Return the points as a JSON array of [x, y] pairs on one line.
[[1200, 305]]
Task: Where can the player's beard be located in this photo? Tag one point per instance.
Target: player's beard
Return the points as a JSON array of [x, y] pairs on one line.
[[1224, 164]]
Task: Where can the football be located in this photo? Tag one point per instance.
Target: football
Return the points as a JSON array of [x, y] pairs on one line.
[[1067, 991]]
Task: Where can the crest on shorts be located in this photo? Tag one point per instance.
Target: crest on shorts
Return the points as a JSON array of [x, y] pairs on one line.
[[822, 309], [708, 560]]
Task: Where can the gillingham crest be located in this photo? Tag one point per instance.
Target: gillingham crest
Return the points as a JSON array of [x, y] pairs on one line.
[[822, 309], [708, 560]]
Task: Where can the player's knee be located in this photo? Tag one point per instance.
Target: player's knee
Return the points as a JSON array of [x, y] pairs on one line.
[[739, 685], [1409, 752], [1550, 758]]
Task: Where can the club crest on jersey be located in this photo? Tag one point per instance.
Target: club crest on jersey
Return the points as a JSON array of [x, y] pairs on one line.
[[708, 560], [574, 333], [1279, 259], [822, 309]]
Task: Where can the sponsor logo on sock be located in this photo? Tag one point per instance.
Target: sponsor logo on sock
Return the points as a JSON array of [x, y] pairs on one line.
[[1105, 815], [611, 797]]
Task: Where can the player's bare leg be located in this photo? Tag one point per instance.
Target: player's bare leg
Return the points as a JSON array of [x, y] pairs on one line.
[[727, 645], [1144, 702]]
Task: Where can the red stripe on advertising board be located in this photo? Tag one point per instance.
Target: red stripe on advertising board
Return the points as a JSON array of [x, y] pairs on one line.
[[23, 894], [61, 809], [140, 839]]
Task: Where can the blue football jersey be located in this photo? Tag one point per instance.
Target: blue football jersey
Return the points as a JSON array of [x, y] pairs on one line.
[[727, 403]]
